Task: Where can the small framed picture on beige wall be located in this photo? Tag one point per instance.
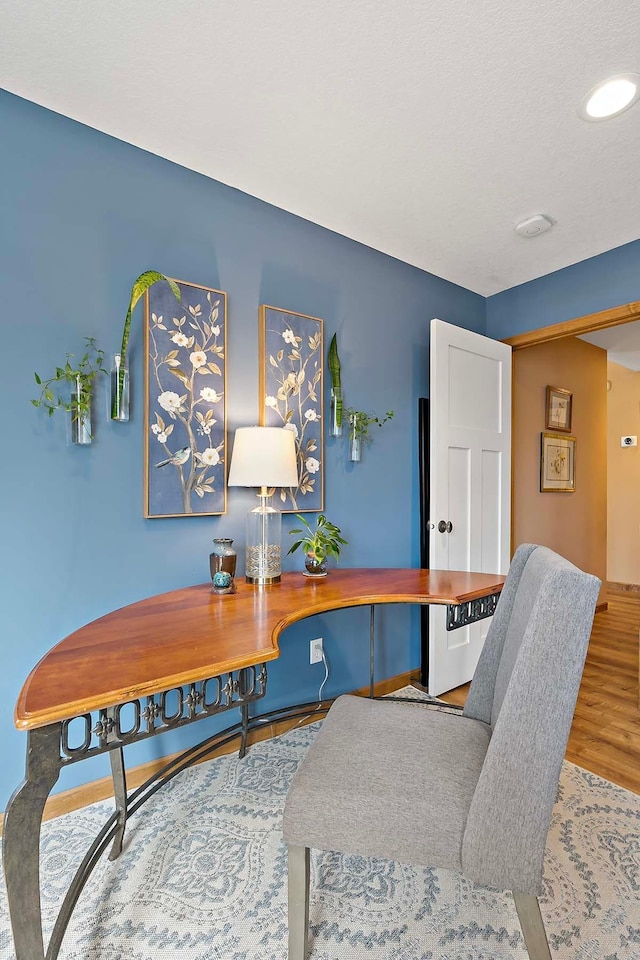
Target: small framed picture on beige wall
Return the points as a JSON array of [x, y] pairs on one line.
[[558, 409], [557, 463]]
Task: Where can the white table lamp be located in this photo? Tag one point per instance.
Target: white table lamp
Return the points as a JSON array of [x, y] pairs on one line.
[[264, 457]]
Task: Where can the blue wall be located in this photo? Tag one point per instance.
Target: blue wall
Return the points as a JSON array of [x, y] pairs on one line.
[[601, 282], [82, 215]]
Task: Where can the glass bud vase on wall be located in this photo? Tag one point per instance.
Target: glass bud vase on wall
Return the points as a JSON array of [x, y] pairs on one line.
[[119, 389], [355, 441], [80, 422], [335, 422]]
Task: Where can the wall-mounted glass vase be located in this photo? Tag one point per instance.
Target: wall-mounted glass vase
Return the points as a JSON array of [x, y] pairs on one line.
[[335, 412], [119, 389], [355, 441], [80, 423]]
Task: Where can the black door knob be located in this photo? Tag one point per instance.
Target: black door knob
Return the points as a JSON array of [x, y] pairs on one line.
[[445, 526]]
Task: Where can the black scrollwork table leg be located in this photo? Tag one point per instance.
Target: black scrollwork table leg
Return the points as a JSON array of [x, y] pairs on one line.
[[21, 841], [120, 793], [244, 713]]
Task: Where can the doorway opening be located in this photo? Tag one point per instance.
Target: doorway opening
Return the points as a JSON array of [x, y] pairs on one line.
[[588, 525]]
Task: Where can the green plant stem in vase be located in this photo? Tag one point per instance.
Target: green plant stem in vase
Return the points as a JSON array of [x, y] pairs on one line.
[[359, 424], [119, 389], [79, 376], [319, 543], [81, 414], [335, 426], [139, 288]]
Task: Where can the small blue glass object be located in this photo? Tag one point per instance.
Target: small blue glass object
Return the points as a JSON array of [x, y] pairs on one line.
[[222, 579]]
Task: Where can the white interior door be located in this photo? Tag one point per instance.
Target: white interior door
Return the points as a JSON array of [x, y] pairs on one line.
[[469, 481]]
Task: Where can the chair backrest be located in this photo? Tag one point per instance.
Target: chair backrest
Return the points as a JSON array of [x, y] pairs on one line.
[[479, 703], [525, 687]]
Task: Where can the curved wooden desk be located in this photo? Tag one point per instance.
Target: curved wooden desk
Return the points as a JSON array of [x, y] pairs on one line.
[[162, 663]]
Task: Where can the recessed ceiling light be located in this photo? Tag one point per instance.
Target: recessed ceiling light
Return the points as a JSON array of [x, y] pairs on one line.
[[611, 97]]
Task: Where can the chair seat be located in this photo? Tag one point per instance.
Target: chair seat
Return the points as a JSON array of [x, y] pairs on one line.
[[470, 792], [410, 804]]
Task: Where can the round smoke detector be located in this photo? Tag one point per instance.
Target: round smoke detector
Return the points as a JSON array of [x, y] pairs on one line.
[[534, 226]]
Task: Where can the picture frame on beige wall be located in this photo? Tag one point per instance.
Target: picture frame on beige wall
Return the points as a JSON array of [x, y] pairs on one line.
[[557, 463], [558, 409]]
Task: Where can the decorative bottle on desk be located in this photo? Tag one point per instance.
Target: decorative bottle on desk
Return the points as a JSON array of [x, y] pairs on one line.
[[223, 558]]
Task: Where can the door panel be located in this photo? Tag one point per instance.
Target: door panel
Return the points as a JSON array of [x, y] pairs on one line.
[[474, 391], [459, 547], [490, 493], [470, 467]]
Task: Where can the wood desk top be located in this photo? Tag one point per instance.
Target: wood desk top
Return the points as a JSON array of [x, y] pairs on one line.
[[191, 634]]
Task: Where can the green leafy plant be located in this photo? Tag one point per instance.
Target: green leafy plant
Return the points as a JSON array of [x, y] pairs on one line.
[[81, 374], [323, 541], [139, 288], [361, 422], [334, 369]]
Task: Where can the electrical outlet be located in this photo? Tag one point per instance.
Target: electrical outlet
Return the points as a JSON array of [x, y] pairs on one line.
[[315, 650], [628, 441]]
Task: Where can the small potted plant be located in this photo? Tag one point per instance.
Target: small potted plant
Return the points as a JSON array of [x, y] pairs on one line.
[[359, 423], [319, 544], [80, 376]]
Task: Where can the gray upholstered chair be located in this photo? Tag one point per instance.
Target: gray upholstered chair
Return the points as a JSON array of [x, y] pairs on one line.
[[478, 786]]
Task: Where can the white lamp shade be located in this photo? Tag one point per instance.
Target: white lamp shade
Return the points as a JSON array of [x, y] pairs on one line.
[[263, 457]]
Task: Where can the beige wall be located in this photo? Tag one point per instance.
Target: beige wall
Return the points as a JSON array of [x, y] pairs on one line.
[[573, 524], [623, 476]]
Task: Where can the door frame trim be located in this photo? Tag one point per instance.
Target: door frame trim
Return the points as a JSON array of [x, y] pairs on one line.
[[626, 313]]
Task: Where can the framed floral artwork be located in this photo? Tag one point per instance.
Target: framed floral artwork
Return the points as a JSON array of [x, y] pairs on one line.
[[558, 409], [557, 463], [185, 401], [291, 396]]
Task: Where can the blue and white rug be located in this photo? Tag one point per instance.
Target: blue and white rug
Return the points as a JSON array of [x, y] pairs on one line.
[[203, 877]]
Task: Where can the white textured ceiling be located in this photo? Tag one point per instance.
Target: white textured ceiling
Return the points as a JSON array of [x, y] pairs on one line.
[[425, 130], [622, 343]]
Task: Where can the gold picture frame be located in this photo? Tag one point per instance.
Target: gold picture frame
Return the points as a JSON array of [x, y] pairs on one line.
[[185, 402], [557, 463], [291, 390], [558, 409]]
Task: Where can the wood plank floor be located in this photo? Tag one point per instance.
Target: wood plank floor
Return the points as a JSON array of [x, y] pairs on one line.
[[605, 735]]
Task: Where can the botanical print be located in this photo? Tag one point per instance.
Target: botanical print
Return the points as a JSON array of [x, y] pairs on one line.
[[558, 409], [557, 463], [291, 396], [185, 408]]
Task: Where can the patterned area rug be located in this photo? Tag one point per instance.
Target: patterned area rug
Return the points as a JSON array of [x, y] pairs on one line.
[[203, 877]]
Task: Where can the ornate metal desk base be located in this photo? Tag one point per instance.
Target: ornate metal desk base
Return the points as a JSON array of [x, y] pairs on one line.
[[53, 747], [462, 614]]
